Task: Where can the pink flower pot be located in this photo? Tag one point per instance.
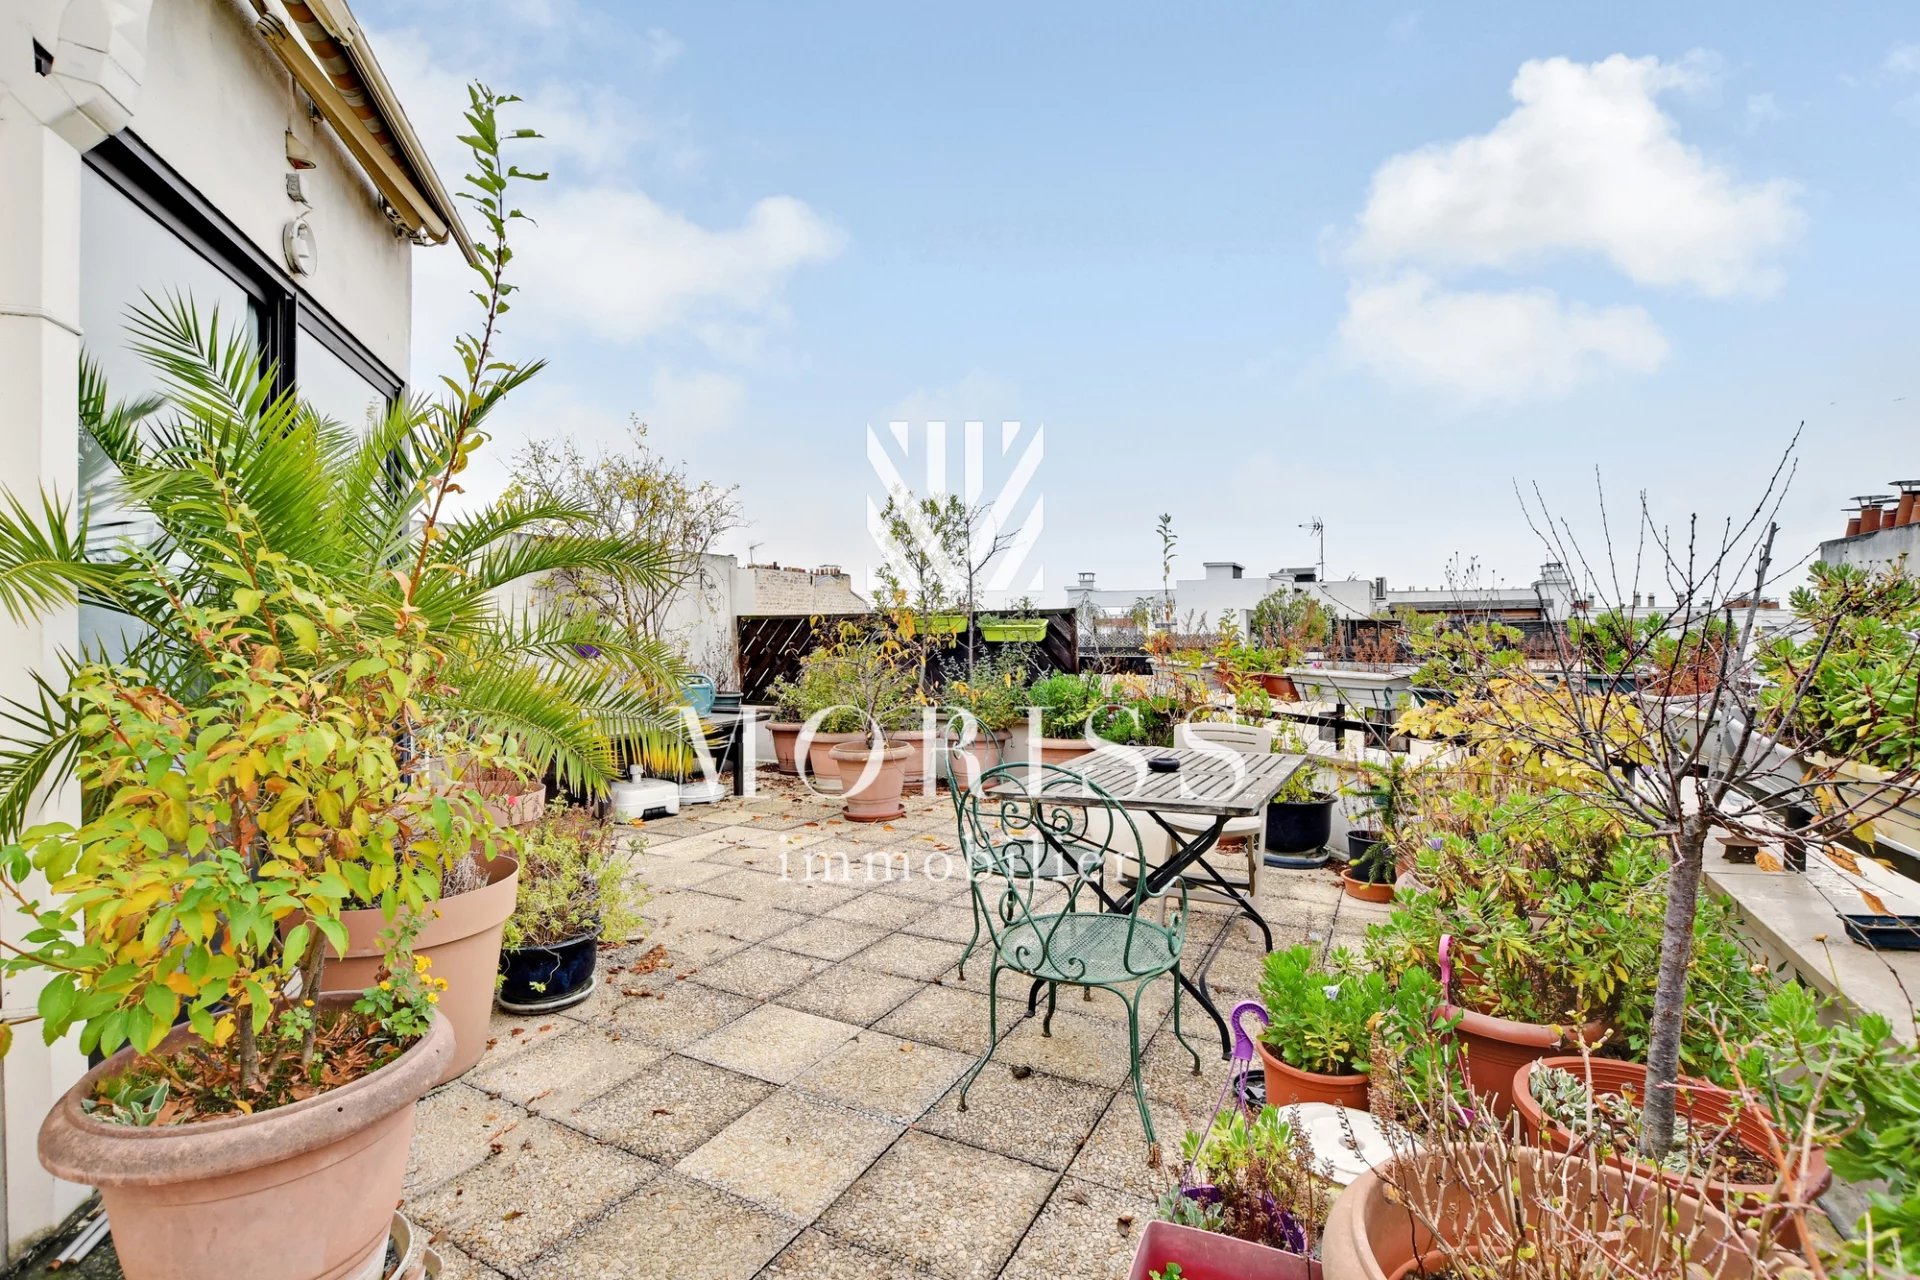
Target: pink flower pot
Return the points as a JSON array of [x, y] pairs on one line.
[[1202, 1255]]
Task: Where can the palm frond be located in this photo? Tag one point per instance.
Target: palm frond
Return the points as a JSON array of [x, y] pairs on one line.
[[38, 746], [43, 558]]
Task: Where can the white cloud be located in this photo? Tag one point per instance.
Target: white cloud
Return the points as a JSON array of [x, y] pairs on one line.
[[661, 46], [1506, 346], [693, 401], [1762, 109], [1587, 163], [1902, 60], [615, 264]]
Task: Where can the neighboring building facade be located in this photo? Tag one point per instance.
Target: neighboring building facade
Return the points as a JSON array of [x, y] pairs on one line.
[[1882, 533], [1226, 588], [252, 158]]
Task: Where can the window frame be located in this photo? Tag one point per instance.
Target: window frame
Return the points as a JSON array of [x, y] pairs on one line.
[[282, 306]]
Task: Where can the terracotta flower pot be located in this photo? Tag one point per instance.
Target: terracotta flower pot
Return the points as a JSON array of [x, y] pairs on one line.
[[1703, 1104], [1366, 890], [1370, 1236], [1206, 1255], [785, 741], [919, 744], [1498, 1047], [514, 803], [819, 768], [988, 750], [1279, 687], [1062, 750], [463, 942], [1288, 1084], [301, 1192], [877, 798]]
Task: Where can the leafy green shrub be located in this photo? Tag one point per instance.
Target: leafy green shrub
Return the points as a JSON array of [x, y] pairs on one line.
[[1066, 703], [1318, 1019], [573, 881], [1864, 654]]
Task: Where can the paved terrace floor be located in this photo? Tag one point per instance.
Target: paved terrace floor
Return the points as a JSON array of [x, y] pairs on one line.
[[778, 1099]]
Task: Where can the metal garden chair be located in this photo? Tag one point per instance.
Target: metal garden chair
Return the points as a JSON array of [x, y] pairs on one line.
[[1037, 838]]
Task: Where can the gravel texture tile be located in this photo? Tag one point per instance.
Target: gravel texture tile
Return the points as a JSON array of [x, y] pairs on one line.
[[883, 1074], [1155, 1003], [679, 1015], [756, 922], [951, 1017], [691, 947], [669, 1109], [760, 972], [557, 1076], [791, 1153], [673, 1229], [451, 1129], [1088, 1049], [690, 909], [881, 909], [1116, 1154], [773, 1043], [816, 1256], [541, 1186], [942, 1206], [849, 994], [951, 923], [1167, 1068], [456, 1265], [1086, 1231], [910, 957], [1038, 1118], [738, 856], [829, 939], [665, 874], [723, 814], [508, 1035], [688, 847]]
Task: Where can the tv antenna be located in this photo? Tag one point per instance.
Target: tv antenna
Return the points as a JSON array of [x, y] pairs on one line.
[[1317, 527]]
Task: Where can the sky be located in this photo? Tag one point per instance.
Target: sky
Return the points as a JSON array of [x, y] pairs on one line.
[[1245, 265]]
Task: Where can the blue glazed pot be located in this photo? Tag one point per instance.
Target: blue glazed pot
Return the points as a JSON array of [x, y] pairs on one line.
[[543, 979]]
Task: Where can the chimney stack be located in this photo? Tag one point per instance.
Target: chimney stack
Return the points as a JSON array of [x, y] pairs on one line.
[[1909, 510]]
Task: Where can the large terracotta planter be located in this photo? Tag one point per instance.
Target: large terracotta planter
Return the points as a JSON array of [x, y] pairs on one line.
[[1370, 1236], [1206, 1255], [302, 1192], [1288, 1084], [1497, 1048], [988, 750], [463, 942], [515, 803], [785, 743], [877, 797], [1279, 687], [1062, 751], [920, 755], [819, 768], [1366, 890], [1703, 1104]]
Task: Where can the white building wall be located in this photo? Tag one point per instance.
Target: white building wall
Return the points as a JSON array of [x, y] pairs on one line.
[[195, 83]]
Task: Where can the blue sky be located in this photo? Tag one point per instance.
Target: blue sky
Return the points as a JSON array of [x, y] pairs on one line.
[[1247, 264]]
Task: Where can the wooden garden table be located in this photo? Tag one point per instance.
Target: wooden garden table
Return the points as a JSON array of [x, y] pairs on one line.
[[1216, 784]]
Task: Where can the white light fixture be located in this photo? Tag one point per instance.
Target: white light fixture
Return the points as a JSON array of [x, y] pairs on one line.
[[302, 251]]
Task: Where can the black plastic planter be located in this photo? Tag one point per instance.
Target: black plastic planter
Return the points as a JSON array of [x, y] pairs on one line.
[[1360, 847], [1884, 932], [1297, 833], [543, 979]]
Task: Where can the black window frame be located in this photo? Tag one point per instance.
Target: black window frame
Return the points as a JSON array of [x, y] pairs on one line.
[[283, 308]]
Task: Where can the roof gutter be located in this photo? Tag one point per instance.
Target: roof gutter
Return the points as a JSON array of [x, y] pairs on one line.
[[333, 64]]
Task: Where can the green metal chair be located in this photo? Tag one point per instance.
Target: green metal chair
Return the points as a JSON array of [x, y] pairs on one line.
[[1035, 864], [1053, 866]]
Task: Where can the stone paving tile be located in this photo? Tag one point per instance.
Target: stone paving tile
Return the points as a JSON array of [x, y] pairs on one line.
[[815, 1256], [881, 910], [829, 939], [1166, 1068], [1088, 1049], [693, 947], [773, 1043], [567, 1070], [943, 1206], [456, 1265], [848, 994], [791, 1153], [1038, 1118], [669, 1109], [760, 972], [910, 957], [666, 875], [686, 848], [542, 1185], [452, 1128], [508, 1035], [888, 1076], [679, 1015], [951, 1017], [672, 1229], [950, 923], [1086, 1231], [1116, 1154]]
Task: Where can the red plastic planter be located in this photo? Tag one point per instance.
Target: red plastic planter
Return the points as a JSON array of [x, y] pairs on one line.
[[1202, 1255]]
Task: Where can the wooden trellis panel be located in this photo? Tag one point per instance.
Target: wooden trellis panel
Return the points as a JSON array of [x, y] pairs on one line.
[[771, 648]]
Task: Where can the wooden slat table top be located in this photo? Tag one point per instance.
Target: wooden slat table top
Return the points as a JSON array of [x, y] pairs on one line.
[[1206, 782]]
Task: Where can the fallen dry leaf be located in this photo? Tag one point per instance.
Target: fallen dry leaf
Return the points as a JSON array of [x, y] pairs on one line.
[[1842, 857]]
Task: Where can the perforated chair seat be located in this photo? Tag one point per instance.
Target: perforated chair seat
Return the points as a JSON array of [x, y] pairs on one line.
[[1089, 948]]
